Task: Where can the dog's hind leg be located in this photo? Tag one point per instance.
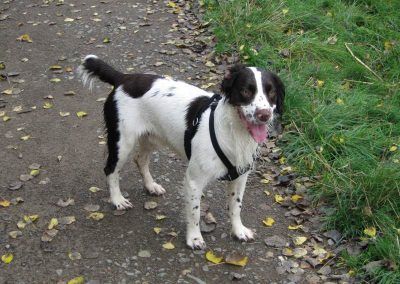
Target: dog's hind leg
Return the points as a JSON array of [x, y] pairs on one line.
[[142, 159], [195, 181], [236, 189]]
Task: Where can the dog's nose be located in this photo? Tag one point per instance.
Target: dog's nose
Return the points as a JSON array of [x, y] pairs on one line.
[[263, 115]]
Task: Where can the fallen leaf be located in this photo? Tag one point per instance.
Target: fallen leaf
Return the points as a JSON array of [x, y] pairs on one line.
[[81, 114], [295, 227], [279, 198], [64, 114], [299, 240], [94, 189], [320, 83], [25, 38], [393, 148], [4, 203], [69, 20], [160, 217], [67, 220], [31, 218], [55, 67], [157, 230], [26, 137], [106, 40], [69, 93], [48, 235], [265, 181], [299, 252], [210, 256], [47, 105], [66, 203], [77, 280], [55, 80], [370, 231], [210, 64], [34, 172], [6, 118], [74, 255], [97, 216], [21, 224], [287, 252], [15, 234], [53, 223], [149, 205], [168, 245], [267, 192], [237, 259], [332, 40], [268, 221], [339, 101], [7, 258], [296, 198], [92, 207]]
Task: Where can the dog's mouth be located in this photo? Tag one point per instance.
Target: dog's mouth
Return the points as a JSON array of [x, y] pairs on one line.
[[259, 131]]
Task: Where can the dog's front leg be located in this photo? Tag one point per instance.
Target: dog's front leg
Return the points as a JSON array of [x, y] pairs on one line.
[[193, 188], [236, 191]]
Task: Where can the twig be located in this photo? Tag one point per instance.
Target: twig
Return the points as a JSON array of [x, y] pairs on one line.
[[362, 63], [361, 82]]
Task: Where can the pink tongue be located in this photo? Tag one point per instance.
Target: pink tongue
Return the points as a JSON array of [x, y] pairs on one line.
[[258, 132]]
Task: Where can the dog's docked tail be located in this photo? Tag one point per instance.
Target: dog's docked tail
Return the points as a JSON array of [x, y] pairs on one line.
[[92, 67]]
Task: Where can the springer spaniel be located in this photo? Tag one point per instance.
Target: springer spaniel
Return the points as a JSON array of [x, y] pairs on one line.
[[147, 111]]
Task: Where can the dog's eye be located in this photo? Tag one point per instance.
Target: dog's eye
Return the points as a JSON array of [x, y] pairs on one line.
[[246, 93]]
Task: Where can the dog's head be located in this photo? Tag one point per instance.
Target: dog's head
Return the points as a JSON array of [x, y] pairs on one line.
[[258, 96]]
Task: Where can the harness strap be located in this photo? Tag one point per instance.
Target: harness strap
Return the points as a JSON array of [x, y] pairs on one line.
[[233, 173]]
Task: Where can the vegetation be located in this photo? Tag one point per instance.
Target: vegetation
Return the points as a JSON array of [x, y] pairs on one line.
[[340, 64]]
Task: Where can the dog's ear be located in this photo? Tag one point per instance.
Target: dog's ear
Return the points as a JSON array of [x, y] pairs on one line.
[[280, 94], [230, 77]]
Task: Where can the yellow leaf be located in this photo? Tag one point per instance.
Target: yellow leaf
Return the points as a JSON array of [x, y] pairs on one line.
[[210, 256], [55, 80], [64, 114], [6, 118], [77, 280], [97, 216], [296, 197], [7, 92], [47, 105], [267, 192], [81, 114], [295, 227], [393, 148], [168, 245], [265, 181], [4, 203], [299, 252], [279, 198], [287, 252], [24, 37], [370, 231], [320, 83], [53, 223], [34, 172], [237, 259], [160, 217], [94, 189], [299, 240], [69, 20], [7, 258], [241, 47], [21, 224], [106, 40], [171, 4], [209, 64], [55, 67], [157, 230], [319, 251], [285, 11], [388, 45], [282, 160], [31, 218], [268, 221], [339, 101], [26, 137]]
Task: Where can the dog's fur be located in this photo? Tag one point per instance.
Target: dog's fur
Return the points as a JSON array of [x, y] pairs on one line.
[[146, 111]]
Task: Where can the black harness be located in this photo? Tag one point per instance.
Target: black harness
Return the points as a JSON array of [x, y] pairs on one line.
[[233, 172]]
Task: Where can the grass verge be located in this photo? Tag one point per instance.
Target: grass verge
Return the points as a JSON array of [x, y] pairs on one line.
[[340, 61]]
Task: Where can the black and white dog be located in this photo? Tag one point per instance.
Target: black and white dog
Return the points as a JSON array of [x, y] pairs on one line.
[[146, 111]]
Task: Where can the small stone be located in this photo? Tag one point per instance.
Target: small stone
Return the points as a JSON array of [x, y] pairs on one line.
[[15, 185], [334, 235], [237, 276], [44, 181], [149, 205], [25, 177], [275, 241], [325, 270], [314, 279]]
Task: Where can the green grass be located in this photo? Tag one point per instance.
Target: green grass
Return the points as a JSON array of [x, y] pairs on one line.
[[342, 129]]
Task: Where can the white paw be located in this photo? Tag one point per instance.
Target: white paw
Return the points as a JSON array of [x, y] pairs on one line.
[[155, 188], [243, 234], [196, 242], [121, 203]]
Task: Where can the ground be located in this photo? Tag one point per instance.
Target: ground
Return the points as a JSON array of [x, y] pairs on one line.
[[69, 151]]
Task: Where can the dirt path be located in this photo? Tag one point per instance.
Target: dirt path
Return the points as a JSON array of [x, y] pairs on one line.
[[131, 35]]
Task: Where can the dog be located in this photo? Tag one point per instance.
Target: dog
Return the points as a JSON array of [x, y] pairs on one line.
[[147, 111]]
